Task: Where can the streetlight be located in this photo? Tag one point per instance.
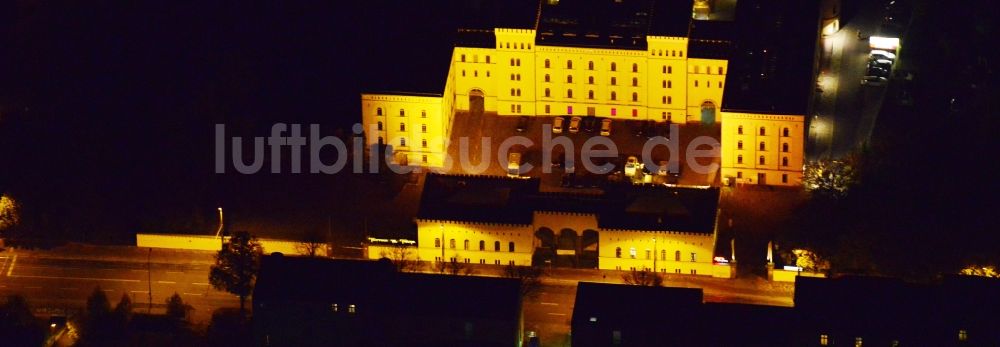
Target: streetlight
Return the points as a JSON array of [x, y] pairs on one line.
[[219, 232]]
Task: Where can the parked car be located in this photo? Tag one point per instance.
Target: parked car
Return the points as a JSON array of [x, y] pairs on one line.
[[514, 164], [631, 166], [574, 125], [661, 169], [590, 124], [873, 81], [522, 124], [557, 125], [606, 127]]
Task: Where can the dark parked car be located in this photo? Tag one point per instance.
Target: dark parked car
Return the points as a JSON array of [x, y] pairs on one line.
[[522, 124], [590, 124]]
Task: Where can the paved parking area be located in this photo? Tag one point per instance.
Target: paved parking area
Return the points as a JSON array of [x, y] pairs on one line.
[[474, 127]]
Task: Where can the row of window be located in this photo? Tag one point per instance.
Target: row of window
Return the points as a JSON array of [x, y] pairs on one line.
[[402, 127], [482, 245], [784, 160], [590, 65], [402, 113], [352, 308], [515, 46], [763, 132], [590, 95], [662, 53], [649, 254], [663, 270], [475, 58], [760, 177], [763, 147], [614, 111], [708, 69], [481, 261], [475, 73], [402, 143]]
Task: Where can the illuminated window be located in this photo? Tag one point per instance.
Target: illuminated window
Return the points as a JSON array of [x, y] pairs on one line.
[[631, 252], [762, 146], [402, 142], [402, 126], [547, 78], [677, 255], [697, 69], [739, 144], [380, 126], [784, 132], [510, 246], [694, 256], [784, 147], [784, 161], [739, 130], [635, 96], [378, 111], [463, 58], [402, 113], [614, 96], [663, 254], [546, 63], [761, 160], [423, 114], [352, 309], [762, 132], [614, 81], [590, 95], [618, 252], [475, 58], [648, 254], [858, 341], [465, 245], [635, 67], [437, 242], [482, 245], [569, 79], [739, 159], [423, 128], [496, 246], [569, 93], [569, 64], [963, 335], [451, 243], [614, 67], [635, 112], [614, 111], [423, 143], [334, 307], [590, 65]]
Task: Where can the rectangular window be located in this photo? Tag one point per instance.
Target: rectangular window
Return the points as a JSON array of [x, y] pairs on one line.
[[547, 109], [614, 111], [569, 109], [784, 178], [694, 256]]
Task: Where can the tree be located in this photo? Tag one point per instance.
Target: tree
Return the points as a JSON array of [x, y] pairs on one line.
[[9, 213], [313, 244], [176, 308], [830, 178], [18, 326], [643, 277], [236, 266], [402, 258], [530, 277], [99, 325], [454, 267]]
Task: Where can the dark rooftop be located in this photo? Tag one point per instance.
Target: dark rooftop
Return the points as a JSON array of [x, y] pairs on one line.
[[503, 200], [773, 55], [611, 24]]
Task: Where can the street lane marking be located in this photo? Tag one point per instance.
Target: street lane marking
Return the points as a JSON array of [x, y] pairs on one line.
[[166, 282], [77, 278], [195, 294], [549, 303], [555, 314], [11, 268], [200, 284]]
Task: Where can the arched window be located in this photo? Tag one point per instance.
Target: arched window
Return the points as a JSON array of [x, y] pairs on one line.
[[739, 144], [739, 130], [664, 69], [569, 79], [380, 126], [402, 142], [695, 83], [482, 245], [614, 96], [402, 126], [739, 159], [663, 84], [618, 252], [548, 78], [512, 92], [664, 99], [762, 147], [437, 242], [670, 69], [635, 67], [547, 93], [546, 63], [590, 94], [508, 45], [635, 96], [670, 84], [496, 246], [670, 100], [402, 113], [590, 65], [762, 132], [518, 61], [614, 67], [510, 246], [569, 64], [635, 82], [590, 80], [423, 128], [511, 61], [518, 91], [784, 147], [463, 58], [423, 143], [677, 255], [784, 132], [378, 111], [614, 81], [720, 70], [569, 93], [784, 161], [761, 160], [465, 245], [522, 45], [475, 73]]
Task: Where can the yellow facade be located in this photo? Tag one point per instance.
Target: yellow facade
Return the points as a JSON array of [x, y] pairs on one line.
[[680, 253], [414, 125], [474, 243], [762, 149]]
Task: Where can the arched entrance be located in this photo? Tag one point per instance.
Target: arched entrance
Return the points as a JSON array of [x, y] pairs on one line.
[[477, 102], [567, 248], [589, 249], [707, 113], [545, 247]]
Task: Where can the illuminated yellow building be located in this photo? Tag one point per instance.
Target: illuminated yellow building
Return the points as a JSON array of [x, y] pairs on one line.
[[501, 221], [639, 60]]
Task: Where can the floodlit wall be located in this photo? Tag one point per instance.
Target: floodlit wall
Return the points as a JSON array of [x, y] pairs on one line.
[[414, 126], [782, 136], [462, 241], [673, 251], [212, 243]]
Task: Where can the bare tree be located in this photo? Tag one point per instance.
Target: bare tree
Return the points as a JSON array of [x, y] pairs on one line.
[[643, 277], [454, 267], [530, 277], [313, 244], [402, 257]]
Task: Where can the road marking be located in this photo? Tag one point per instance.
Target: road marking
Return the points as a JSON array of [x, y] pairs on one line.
[[195, 294], [200, 284], [166, 282], [11, 268], [138, 291], [77, 278], [175, 272], [134, 270], [555, 314], [549, 303]]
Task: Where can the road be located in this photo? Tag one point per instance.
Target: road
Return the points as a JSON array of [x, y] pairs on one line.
[[56, 282]]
